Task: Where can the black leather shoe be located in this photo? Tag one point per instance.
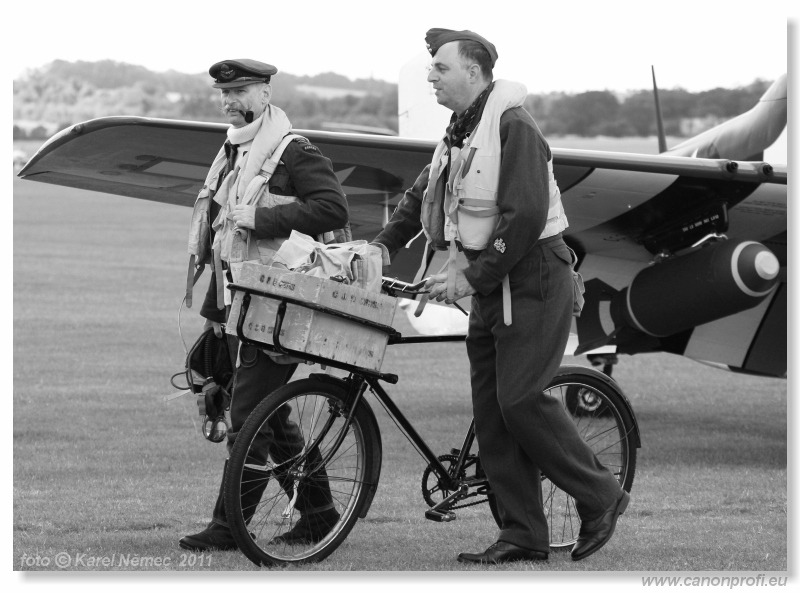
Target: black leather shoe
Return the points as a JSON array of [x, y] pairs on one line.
[[594, 534], [309, 529], [213, 537], [500, 552]]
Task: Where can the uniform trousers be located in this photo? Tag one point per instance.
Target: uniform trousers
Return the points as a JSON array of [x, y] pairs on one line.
[[280, 439], [521, 432]]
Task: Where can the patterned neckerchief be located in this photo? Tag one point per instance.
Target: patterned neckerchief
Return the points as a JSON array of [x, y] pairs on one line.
[[461, 125]]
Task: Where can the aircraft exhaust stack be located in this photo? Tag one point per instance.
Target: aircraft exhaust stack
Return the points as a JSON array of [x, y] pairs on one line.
[[680, 293]]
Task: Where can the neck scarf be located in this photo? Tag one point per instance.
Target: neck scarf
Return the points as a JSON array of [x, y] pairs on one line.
[[238, 137], [461, 125], [245, 133], [262, 136]]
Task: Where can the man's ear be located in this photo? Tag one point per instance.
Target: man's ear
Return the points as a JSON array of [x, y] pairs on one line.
[[267, 93]]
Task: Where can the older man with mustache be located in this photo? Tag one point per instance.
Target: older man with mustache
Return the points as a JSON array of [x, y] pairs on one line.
[[239, 216]]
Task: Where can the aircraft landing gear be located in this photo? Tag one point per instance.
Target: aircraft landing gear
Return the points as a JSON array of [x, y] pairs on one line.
[[607, 361]]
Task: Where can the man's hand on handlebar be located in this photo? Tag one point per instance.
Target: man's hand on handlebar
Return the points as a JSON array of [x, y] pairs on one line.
[[392, 286], [437, 285]]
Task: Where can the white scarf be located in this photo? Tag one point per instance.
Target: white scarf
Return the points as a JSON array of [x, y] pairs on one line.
[[246, 133], [266, 133]]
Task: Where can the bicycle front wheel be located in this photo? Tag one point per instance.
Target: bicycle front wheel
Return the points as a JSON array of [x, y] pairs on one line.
[[302, 470]]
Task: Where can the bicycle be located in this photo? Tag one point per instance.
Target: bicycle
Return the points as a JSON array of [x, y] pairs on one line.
[[342, 449]]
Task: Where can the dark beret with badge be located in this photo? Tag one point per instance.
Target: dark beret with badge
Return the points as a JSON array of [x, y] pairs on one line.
[[436, 38], [230, 74]]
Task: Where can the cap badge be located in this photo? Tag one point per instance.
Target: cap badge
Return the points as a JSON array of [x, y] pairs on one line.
[[226, 72]]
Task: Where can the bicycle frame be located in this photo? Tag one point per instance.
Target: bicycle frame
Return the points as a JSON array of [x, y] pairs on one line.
[[449, 480], [360, 378]]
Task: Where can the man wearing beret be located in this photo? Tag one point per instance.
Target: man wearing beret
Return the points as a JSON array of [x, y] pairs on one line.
[[249, 217], [490, 192]]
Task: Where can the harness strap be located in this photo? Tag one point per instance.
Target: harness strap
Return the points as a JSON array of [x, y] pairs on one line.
[[468, 163], [490, 211], [269, 167], [272, 162], [451, 270], [474, 202], [220, 277], [423, 299], [191, 278], [506, 300]]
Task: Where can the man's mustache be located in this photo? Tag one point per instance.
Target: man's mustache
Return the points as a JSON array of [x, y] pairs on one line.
[[248, 115]]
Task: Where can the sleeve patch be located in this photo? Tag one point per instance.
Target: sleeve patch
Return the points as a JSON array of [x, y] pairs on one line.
[[310, 148]]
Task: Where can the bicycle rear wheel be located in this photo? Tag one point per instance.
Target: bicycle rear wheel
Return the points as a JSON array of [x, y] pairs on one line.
[[605, 420], [322, 456]]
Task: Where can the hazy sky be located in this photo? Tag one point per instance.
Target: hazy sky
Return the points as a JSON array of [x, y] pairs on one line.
[[549, 46]]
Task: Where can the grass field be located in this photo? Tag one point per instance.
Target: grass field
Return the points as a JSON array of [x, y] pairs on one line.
[[103, 468]]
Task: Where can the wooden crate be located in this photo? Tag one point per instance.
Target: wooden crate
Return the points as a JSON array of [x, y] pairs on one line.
[[347, 298], [310, 331]]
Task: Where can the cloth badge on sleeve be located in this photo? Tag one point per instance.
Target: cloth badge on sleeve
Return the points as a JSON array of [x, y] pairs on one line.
[[500, 245]]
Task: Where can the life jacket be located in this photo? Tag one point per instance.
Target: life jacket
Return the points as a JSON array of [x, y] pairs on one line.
[[236, 246], [472, 210], [469, 200]]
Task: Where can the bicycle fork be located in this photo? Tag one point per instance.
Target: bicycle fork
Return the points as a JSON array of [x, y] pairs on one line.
[[356, 392]]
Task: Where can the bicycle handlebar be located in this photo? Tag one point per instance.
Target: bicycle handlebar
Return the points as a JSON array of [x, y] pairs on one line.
[[394, 285]]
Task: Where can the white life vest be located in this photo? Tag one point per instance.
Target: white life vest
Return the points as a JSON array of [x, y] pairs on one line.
[[235, 245], [470, 200], [199, 248]]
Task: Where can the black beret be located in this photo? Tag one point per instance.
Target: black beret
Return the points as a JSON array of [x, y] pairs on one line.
[[229, 74], [436, 38]]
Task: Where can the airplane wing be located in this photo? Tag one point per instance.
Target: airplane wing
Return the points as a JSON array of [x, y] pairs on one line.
[[625, 211], [618, 205], [167, 160]]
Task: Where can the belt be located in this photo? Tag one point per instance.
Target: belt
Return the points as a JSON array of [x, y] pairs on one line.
[[472, 254], [551, 239]]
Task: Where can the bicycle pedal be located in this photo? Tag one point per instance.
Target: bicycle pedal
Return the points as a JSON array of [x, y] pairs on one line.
[[440, 516]]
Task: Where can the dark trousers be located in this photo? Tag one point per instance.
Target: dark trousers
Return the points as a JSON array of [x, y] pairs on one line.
[[520, 431], [256, 377]]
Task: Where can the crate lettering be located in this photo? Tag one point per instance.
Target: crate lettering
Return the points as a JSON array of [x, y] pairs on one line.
[[366, 302]]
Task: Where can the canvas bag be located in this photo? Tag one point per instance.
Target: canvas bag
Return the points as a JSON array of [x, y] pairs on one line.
[[354, 262]]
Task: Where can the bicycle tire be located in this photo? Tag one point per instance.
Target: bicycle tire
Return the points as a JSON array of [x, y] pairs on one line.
[[605, 420], [257, 490]]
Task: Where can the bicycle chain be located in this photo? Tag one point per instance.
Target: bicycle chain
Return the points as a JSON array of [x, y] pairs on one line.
[[426, 493], [469, 504]]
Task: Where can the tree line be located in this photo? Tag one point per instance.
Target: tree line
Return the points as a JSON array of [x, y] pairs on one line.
[[63, 93]]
